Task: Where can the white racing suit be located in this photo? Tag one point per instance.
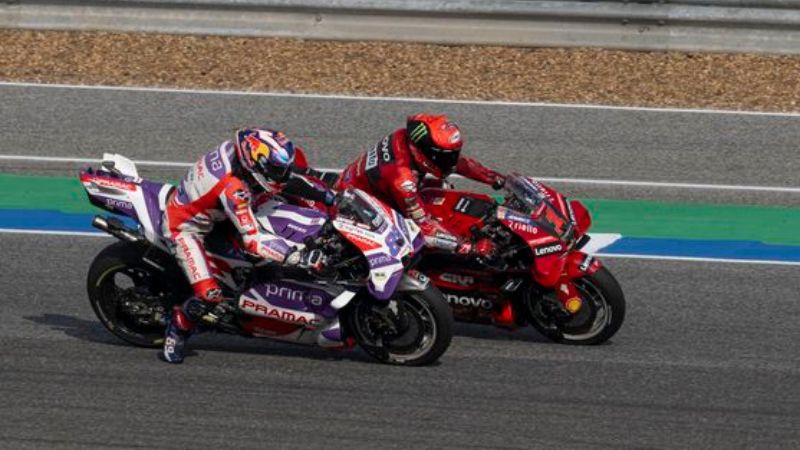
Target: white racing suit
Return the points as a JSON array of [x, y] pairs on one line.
[[212, 192]]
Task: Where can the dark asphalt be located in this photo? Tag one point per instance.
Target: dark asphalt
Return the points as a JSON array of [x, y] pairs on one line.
[[708, 356]]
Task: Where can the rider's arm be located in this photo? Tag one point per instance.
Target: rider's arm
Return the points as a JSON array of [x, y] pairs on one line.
[[300, 186], [236, 200], [474, 170], [302, 167], [403, 190]]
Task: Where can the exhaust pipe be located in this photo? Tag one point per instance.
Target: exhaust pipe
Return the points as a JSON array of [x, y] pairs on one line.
[[116, 228]]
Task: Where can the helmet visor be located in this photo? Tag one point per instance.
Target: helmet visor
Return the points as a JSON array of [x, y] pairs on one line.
[[274, 172], [445, 160]]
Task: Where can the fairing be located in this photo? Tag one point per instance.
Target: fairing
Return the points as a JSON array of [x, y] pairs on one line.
[[382, 234], [118, 188]]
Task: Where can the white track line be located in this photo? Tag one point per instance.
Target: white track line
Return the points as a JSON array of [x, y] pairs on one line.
[[603, 255], [656, 184], [392, 99], [54, 232], [723, 187], [88, 160], [697, 259]]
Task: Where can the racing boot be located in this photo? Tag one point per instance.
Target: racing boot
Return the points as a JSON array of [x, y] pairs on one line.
[[179, 329]]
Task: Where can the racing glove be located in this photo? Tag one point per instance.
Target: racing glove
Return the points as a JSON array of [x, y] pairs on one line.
[[483, 249], [498, 182]]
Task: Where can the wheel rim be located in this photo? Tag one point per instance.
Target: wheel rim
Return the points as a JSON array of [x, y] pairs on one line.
[[131, 300], [593, 317], [415, 329]]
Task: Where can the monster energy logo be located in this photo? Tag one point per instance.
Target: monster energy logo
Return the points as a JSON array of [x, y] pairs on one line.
[[418, 132]]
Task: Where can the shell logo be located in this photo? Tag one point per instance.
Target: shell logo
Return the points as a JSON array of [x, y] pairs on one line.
[[573, 305]]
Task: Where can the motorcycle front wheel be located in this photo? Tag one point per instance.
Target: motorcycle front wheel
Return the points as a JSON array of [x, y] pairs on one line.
[[411, 329], [599, 318]]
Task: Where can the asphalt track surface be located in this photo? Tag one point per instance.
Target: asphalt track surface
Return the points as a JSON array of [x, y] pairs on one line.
[[708, 356]]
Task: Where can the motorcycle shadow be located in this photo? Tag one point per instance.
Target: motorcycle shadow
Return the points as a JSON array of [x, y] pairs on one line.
[[85, 330], [211, 342], [477, 331], [93, 331]]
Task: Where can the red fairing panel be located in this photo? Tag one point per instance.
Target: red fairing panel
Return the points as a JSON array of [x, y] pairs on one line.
[[579, 264], [447, 207], [583, 220], [547, 270]]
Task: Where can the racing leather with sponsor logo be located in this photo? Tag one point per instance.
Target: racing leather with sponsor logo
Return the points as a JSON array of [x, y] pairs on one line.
[[388, 172], [215, 190]]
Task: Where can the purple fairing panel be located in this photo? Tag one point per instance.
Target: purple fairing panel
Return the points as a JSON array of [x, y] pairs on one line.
[[295, 230], [109, 202], [388, 288], [114, 205], [279, 245], [418, 242], [333, 334], [379, 261], [395, 241], [150, 192], [296, 296]]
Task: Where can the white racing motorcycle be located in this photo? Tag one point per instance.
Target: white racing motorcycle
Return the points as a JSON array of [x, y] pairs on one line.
[[368, 293]]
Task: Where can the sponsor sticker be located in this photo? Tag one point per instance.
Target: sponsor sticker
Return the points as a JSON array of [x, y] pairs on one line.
[[548, 250], [469, 301], [586, 263], [241, 194], [459, 279], [408, 186]]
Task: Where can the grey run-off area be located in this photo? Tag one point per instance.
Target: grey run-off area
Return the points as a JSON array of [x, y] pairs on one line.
[[707, 357], [555, 142], [771, 26]]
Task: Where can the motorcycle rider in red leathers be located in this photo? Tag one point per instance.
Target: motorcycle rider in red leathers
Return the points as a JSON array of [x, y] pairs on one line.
[[223, 185], [395, 167]]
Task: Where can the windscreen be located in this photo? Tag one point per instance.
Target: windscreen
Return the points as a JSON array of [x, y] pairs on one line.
[[525, 196], [355, 206]]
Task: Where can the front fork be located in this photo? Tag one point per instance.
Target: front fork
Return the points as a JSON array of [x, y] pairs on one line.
[[559, 271]]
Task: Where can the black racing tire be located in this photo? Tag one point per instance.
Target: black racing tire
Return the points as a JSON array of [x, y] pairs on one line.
[[429, 328], [599, 319], [114, 264]]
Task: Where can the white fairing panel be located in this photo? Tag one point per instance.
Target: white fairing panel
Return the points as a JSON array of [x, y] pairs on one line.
[[122, 164]]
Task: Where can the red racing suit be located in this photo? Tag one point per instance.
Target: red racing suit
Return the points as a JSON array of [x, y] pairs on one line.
[[388, 171], [213, 191]]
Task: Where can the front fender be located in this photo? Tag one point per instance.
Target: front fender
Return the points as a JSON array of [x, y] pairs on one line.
[[550, 270], [580, 264], [413, 281]]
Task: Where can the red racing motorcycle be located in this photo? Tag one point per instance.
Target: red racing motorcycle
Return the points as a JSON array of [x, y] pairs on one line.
[[538, 274]]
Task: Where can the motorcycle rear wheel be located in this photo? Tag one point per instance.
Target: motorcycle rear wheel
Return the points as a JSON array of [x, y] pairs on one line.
[[414, 329], [128, 294], [599, 318]]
